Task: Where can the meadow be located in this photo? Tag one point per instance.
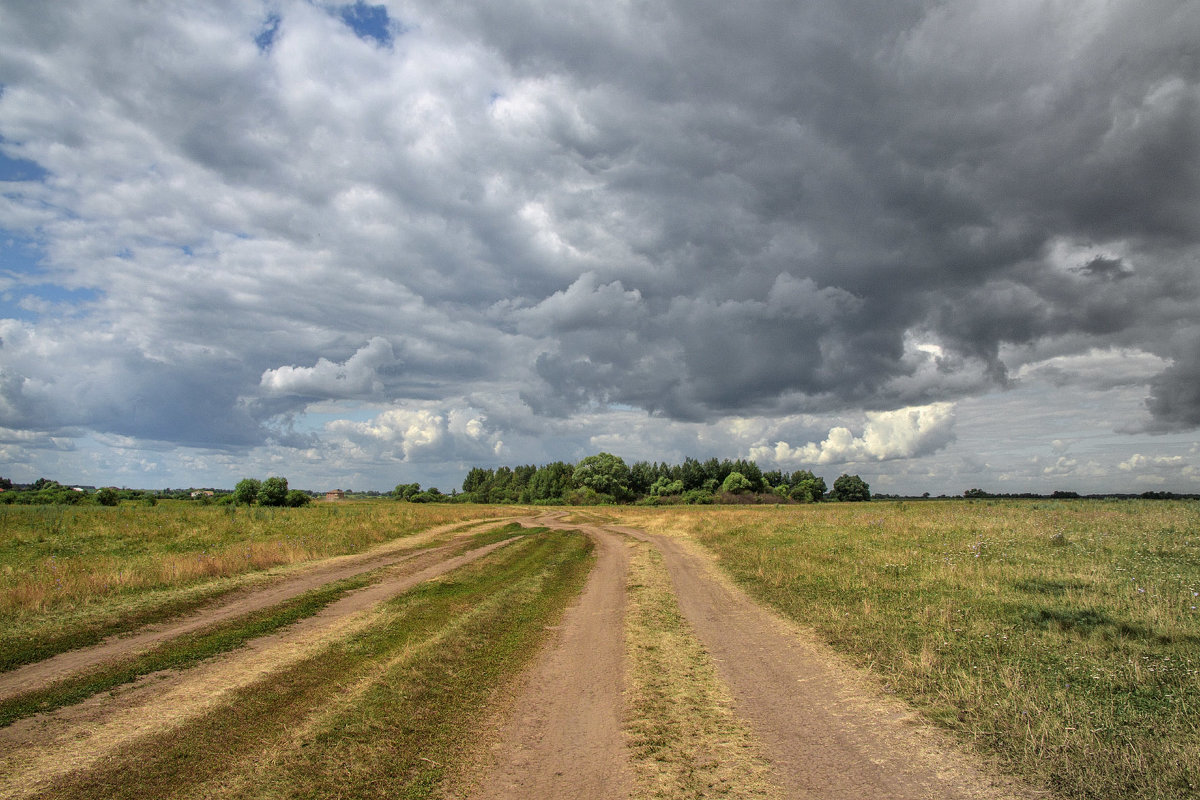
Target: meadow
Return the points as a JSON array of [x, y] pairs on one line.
[[1061, 638], [71, 575]]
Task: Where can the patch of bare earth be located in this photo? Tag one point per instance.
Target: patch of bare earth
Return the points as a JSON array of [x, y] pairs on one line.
[[36, 751], [562, 736]]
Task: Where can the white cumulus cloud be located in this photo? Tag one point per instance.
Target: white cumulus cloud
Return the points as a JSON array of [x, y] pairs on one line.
[[903, 433], [356, 377]]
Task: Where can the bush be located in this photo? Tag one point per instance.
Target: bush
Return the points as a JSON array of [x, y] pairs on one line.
[[297, 499], [698, 497], [107, 496]]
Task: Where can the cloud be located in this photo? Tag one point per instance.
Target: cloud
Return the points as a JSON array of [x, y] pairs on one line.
[[887, 435], [358, 376], [421, 434], [561, 216]]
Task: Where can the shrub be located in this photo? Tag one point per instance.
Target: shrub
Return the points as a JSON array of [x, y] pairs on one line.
[[736, 483]]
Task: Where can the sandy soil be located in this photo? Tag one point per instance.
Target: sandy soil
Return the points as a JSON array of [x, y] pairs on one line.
[[564, 738]]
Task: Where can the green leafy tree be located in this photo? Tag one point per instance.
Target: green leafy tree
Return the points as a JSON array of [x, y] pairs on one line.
[[246, 491], [664, 488], [273, 492], [641, 477], [850, 489], [108, 496], [807, 487], [406, 491], [297, 499], [603, 473], [551, 482], [736, 483]]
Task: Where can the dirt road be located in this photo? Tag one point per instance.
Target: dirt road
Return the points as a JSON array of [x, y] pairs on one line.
[[825, 729], [564, 738], [37, 750]]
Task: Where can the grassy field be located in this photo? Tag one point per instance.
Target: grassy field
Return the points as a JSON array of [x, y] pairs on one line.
[[1062, 637], [70, 576]]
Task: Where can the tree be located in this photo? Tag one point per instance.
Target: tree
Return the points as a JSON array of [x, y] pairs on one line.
[[406, 491], [641, 477], [246, 491], [807, 487], [551, 482], [107, 496], [297, 499], [736, 483], [603, 473], [273, 492], [850, 489], [663, 487]]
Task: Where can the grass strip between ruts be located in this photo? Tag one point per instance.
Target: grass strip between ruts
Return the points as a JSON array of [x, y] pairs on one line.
[[190, 649], [684, 739], [430, 665]]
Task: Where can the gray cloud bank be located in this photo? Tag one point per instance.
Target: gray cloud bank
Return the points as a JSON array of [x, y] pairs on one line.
[[521, 214]]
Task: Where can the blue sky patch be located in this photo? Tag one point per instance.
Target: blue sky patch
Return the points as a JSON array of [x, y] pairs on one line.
[[20, 169], [266, 36], [19, 254], [368, 22]]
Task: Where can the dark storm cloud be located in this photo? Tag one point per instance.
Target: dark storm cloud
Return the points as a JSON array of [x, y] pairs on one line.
[[929, 169]]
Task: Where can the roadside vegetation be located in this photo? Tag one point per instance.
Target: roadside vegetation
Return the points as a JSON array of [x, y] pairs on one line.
[[1062, 637], [683, 736], [70, 576], [380, 714]]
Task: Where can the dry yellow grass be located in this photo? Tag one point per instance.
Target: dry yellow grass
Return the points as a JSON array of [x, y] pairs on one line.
[[684, 738]]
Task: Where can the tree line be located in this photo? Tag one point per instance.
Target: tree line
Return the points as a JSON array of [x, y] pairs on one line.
[[606, 478]]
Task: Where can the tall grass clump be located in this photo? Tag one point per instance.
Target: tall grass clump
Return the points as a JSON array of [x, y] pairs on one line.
[[1062, 637]]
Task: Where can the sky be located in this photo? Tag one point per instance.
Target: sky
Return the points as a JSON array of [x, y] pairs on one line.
[[938, 245]]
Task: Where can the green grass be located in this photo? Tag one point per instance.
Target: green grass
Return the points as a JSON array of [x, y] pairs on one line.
[[69, 577], [1062, 637], [380, 714]]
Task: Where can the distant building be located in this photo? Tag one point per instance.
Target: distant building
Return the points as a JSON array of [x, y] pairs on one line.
[[202, 493], [335, 494]]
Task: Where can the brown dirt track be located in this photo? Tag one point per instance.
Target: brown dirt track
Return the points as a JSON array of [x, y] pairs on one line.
[[827, 729]]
